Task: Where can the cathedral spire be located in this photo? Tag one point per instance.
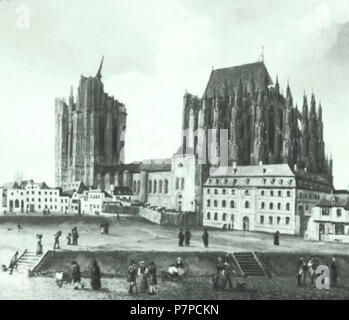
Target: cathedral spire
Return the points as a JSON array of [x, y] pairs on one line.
[[99, 74], [288, 90], [277, 86], [320, 112]]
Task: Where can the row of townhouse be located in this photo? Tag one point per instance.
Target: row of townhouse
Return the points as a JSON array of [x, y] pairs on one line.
[[74, 198], [265, 198]]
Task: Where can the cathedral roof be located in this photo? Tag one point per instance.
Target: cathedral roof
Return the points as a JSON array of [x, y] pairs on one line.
[[232, 75]]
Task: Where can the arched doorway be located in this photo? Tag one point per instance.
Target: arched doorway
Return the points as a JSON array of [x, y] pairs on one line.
[[246, 224]]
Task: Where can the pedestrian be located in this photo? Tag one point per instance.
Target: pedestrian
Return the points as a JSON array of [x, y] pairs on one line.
[[333, 273], [228, 274], [76, 275], [220, 274], [102, 228], [19, 227], [75, 236], [180, 238], [39, 245], [13, 262], [143, 274], [69, 239], [300, 272], [187, 237], [106, 227], [132, 278], [205, 238], [95, 274], [276, 238], [56, 238], [312, 266], [152, 278]]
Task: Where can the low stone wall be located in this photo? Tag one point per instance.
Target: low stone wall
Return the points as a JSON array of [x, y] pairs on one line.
[[169, 218], [120, 209]]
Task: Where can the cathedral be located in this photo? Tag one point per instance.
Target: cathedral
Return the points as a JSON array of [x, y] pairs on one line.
[[262, 124], [89, 134]]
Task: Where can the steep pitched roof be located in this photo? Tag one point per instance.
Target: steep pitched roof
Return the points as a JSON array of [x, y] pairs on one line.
[[232, 75], [334, 201], [268, 170]]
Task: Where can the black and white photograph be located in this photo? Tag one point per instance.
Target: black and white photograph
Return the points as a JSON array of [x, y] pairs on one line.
[[188, 150]]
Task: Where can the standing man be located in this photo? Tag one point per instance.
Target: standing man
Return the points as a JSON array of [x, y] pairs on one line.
[[205, 238], [333, 273], [132, 278], [180, 238], [187, 237], [75, 236], [56, 237], [13, 262]]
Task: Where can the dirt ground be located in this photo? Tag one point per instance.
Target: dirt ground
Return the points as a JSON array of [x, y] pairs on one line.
[[135, 234]]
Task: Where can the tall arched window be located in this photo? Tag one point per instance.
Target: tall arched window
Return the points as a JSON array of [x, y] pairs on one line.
[[166, 186], [160, 186], [138, 186], [150, 186], [155, 186], [16, 203], [247, 204]]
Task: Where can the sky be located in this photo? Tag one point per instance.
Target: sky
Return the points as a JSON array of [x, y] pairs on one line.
[[153, 52]]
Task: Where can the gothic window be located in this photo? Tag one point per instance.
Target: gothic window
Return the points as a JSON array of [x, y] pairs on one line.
[[166, 186], [160, 186], [150, 186], [138, 186], [115, 136], [101, 135], [155, 186], [16, 203]]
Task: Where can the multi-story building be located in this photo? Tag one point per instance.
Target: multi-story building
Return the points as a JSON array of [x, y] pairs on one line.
[[92, 201], [28, 196], [265, 198], [329, 219]]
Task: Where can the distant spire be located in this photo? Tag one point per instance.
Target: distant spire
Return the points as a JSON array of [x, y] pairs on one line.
[[320, 112], [288, 90], [99, 75], [261, 58], [277, 86]]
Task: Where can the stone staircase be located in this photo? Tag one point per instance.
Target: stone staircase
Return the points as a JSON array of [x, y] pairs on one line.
[[249, 264], [27, 262]]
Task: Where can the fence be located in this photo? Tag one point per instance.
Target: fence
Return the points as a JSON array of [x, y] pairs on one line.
[[169, 218]]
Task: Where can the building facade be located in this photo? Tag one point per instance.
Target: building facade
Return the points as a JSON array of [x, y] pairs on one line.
[[329, 219], [89, 134], [262, 198]]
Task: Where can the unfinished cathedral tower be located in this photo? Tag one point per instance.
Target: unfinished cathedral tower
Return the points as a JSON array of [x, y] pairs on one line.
[[89, 134], [263, 124]]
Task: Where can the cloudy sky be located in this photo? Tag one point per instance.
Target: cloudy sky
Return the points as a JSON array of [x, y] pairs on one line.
[[154, 51]]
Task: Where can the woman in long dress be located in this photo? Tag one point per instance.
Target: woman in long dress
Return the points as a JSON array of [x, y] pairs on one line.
[[39, 244], [95, 274], [143, 275], [152, 278]]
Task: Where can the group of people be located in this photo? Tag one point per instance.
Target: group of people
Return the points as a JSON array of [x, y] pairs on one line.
[[146, 274], [308, 270], [72, 239], [224, 273], [105, 228], [185, 236]]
